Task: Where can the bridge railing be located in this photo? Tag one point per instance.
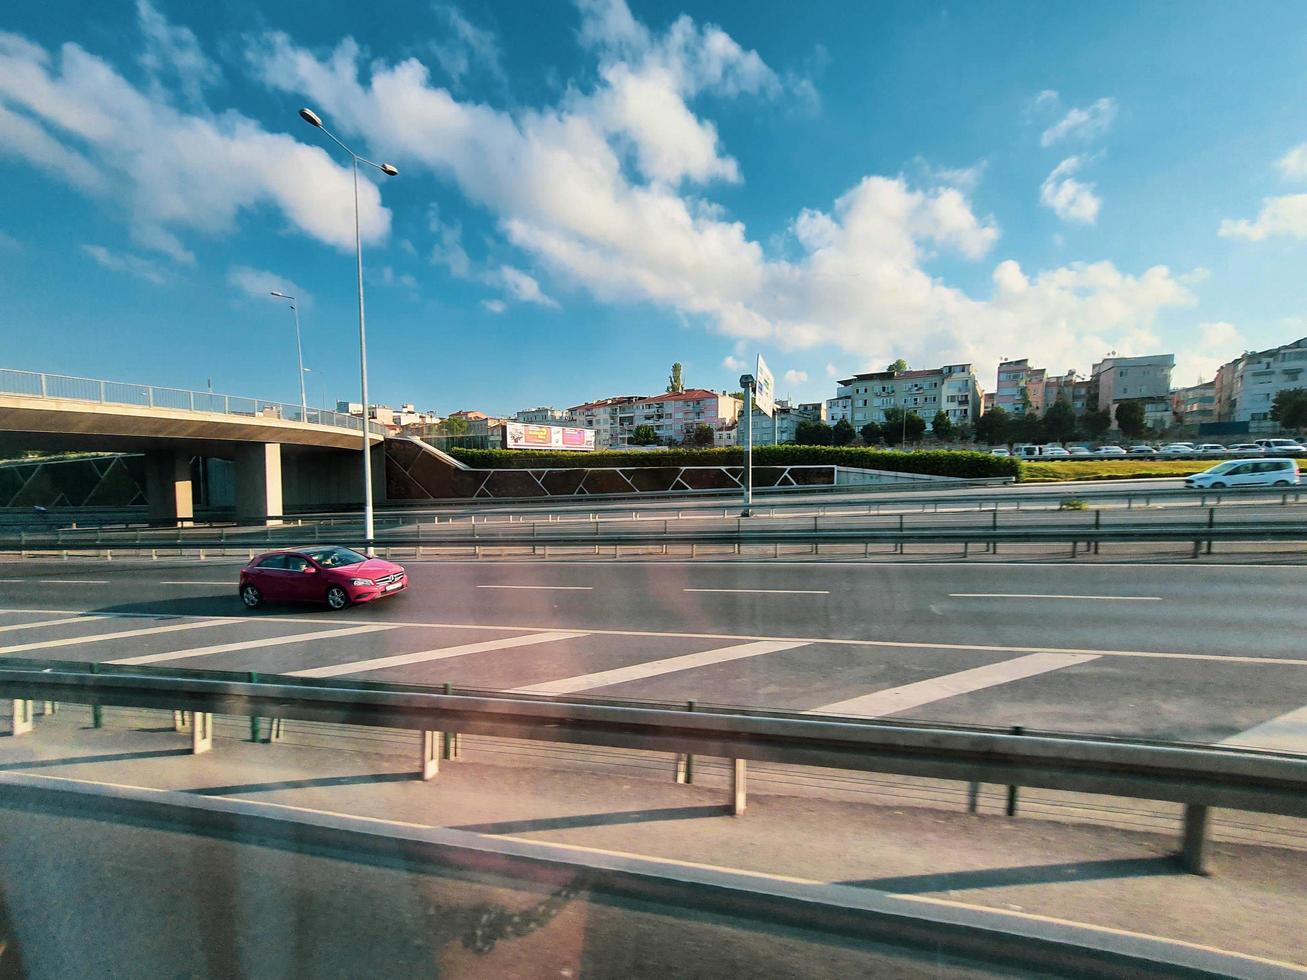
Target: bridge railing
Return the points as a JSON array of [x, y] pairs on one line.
[[37, 385]]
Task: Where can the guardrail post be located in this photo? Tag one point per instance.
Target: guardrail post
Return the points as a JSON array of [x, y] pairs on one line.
[[1211, 522], [973, 797], [201, 732], [22, 723], [684, 760], [739, 787], [1012, 790], [1098, 523], [254, 719], [181, 721], [430, 754], [1194, 839], [97, 712], [453, 744]]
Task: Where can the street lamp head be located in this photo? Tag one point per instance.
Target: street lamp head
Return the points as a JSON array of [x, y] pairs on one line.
[[389, 169], [280, 295], [311, 117]]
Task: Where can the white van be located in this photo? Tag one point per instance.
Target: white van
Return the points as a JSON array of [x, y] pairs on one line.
[[1246, 473]]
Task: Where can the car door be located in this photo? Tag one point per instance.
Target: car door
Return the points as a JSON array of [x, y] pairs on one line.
[[302, 578], [270, 577], [1243, 475]]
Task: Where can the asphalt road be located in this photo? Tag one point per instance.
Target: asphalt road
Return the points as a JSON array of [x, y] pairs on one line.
[[1194, 652]]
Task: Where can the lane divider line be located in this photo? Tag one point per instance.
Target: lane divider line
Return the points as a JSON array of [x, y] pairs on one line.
[[120, 635], [50, 622], [267, 641], [1039, 595], [440, 653]]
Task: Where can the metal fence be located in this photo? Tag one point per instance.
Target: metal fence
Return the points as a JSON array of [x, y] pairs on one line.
[[32, 384]]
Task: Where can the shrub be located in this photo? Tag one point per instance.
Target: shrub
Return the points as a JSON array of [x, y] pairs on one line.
[[967, 465]]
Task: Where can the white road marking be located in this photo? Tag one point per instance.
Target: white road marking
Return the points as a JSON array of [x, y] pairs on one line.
[[440, 653], [269, 641], [656, 668], [1043, 595], [767, 591], [895, 699], [193, 582], [121, 635], [1287, 733], [72, 581], [51, 622], [555, 588]]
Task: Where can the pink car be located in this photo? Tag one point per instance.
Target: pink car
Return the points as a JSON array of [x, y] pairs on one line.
[[324, 573]]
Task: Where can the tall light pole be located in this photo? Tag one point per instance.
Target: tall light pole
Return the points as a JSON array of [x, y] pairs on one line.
[[299, 354], [389, 169]]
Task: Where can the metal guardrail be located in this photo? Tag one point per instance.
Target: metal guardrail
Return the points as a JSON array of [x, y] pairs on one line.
[[1197, 777], [31, 384]]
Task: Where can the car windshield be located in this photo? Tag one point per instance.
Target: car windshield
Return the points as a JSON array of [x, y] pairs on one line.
[[335, 557], [1223, 467]]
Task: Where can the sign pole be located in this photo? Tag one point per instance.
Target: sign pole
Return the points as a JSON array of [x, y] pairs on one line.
[[748, 446]]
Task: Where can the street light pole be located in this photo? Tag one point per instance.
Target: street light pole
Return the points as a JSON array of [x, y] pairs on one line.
[[389, 169], [299, 355]]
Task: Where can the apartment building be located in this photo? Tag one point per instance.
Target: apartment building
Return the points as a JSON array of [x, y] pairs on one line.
[[1245, 388], [1132, 378], [607, 416], [1080, 393], [783, 424], [543, 415], [952, 388], [839, 408], [674, 414], [1194, 405], [1020, 388]]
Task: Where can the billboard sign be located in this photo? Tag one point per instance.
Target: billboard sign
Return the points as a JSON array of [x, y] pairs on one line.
[[527, 435], [764, 392]]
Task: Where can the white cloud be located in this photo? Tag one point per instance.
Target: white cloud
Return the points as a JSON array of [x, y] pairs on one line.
[[132, 265], [175, 51], [1070, 199], [793, 377], [494, 305], [523, 287], [733, 364], [598, 207], [1285, 216], [832, 371], [260, 283], [1293, 165], [1213, 345], [448, 250], [466, 49], [73, 115], [1078, 124]]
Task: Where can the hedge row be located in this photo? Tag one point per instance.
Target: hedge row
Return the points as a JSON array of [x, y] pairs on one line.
[[970, 465]]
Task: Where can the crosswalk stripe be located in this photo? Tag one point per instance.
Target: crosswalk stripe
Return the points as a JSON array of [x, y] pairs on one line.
[[1287, 733], [50, 622], [121, 635], [655, 668], [267, 641], [441, 653], [895, 699]]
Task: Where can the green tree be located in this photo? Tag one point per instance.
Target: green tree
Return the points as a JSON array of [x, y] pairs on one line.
[[811, 432], [1095, 423], [701, 435], [455, 425], [842, 432], [674, 383], [870, 433], [1130, 419], [963, 432], [902, 427], [942, 426], [1060, 421], [644, 435], [1290, 408], [992, 427], [899, 365], [1027, 428]]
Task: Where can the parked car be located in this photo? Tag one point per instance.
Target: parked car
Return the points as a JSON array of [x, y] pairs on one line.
[[999, 452], [1142, 450], [1281, 447], [1028, 451], [1111, 451], [1079, 451], [1246, 473], [1178, 449], [1211, 448], [324, 573], [1055, 451]]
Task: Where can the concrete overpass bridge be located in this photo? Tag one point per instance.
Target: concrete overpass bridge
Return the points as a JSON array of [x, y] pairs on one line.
[[283, 456]]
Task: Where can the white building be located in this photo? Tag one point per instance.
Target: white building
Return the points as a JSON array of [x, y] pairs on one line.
[[673, 415], [1131, 378], [1246, 387], [544, 415], [952, 389], [839, 408], [783, 424], [607, 416]]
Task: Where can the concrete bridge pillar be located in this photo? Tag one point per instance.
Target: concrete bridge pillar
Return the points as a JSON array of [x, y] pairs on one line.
[[168, 487], [258, 483]]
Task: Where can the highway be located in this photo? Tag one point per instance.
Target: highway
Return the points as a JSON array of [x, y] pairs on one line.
[[1193, 652]]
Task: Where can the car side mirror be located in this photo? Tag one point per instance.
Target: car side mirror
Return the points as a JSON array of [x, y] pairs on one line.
[[309, 570]]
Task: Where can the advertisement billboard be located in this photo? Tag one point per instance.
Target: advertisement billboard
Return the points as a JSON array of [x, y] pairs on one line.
[[528, 435], [764, 393]]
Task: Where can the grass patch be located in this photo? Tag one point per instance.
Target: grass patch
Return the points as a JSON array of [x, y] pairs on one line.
[[1048, 471]]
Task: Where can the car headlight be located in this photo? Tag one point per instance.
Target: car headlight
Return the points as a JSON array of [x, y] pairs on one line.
[[361, 581]]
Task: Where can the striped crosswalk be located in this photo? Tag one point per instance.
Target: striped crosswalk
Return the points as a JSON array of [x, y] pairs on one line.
[[441, 653], [1286, 733], [267, 641]]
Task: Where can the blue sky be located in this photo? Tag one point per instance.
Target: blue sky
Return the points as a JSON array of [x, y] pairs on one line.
[[589, 191]]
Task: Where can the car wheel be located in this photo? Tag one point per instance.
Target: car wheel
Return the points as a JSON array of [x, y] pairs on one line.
[[1282, 483], [1218, 486], [337, 598], [251, 596]]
